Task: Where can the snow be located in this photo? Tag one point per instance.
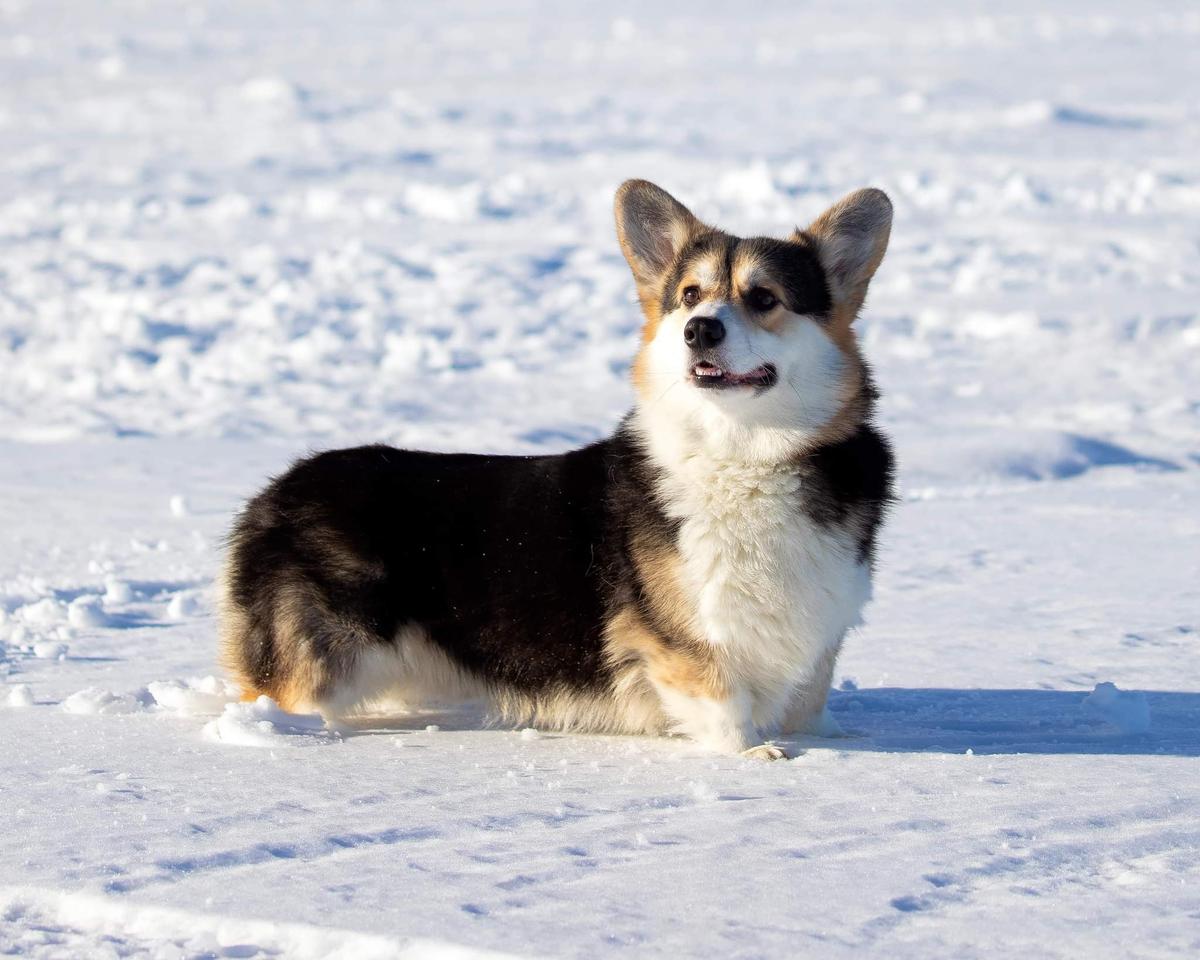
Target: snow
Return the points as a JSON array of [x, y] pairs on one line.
[[224, 243], [75, 923], [262, 723], [95, 700], [194, 697], [1127, 710], [19, 695]]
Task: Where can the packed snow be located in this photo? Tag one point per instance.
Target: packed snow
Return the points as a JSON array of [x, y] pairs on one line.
[[231, 234]]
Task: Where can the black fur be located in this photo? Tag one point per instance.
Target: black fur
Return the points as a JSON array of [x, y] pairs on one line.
[[513, 565], [851, 483]]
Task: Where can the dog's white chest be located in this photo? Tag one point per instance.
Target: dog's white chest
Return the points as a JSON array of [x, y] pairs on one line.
[[774, 590]]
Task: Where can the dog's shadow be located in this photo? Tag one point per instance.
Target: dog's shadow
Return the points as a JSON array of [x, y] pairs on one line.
[[930, 720], [943, 720]]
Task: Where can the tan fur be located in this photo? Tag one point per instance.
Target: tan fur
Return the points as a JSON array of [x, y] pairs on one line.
[[630, 707], [658, 568], [687, 664], [649, 245], [854, 397], [234, 628], [684, 668], [642, 381], [749, 273], [866, 213], [302, 677]]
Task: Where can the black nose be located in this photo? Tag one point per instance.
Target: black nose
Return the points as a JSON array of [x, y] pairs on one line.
[[700, 333]]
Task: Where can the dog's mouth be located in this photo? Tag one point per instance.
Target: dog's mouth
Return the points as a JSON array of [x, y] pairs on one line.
[[711, 376]]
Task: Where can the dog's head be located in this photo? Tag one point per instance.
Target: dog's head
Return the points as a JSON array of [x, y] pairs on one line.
[[748, 337]]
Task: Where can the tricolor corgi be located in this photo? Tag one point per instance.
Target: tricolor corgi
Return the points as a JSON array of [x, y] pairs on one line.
[[693, 574]]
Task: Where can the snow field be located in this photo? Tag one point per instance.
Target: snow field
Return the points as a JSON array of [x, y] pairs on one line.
[[232, 234]]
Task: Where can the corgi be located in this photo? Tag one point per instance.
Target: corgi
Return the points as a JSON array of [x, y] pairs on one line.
[[693, 574]]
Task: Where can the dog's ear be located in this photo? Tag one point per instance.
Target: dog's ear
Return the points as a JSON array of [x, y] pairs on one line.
[[653, 227], [851, 238]]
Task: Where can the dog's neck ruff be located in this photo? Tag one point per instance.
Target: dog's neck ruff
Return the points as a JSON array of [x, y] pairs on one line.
[[708, 443], [774, 592]]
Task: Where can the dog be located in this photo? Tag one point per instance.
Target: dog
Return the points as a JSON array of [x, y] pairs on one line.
[[693, 574]]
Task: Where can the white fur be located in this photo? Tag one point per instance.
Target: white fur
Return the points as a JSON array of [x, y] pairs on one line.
[[414, 672], [722, 725], [740, 424], [410, 672], [775, 593]]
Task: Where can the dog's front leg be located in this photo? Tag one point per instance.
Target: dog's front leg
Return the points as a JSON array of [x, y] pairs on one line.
[[721, 722]]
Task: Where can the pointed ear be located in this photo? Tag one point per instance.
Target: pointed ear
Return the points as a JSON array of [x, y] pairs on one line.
[[851, 238], [652, 227]]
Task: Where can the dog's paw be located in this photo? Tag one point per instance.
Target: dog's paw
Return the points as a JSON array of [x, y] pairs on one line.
[[765, 751]]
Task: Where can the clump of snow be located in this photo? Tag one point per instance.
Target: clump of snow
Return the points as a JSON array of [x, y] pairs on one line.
[[86, 612], [1127, 710], [826, 725], [263, 723], [50, 650], [20, 695], [43, 613], [702, 791], [184, 605], [197, 696], [530, 734], [117, 591], [96, 700], [432, 728], [179, 506], [268, 90]]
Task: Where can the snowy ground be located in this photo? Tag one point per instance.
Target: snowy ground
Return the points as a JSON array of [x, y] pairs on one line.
[[230, 233]]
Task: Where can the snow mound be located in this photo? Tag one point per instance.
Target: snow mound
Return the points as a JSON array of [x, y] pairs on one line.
[[87, 611], [1013, 456], [82, 924], [197, 696], [117, 591], [50, 650], [263, 723], [184, 605], [1127, 710], [20, 696], [95, 700], [46, 612]]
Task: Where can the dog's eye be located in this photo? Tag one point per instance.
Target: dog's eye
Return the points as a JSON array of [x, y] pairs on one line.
[[691, 296], [761, 298]]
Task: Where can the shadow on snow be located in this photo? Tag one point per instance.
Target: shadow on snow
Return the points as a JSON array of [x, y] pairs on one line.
[[931, 720], [937, 720]]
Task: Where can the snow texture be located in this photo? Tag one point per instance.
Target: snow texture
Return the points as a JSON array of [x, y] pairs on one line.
[[234, 233]]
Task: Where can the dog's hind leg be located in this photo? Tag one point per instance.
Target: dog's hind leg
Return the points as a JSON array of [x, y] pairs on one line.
[[290, 646]]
